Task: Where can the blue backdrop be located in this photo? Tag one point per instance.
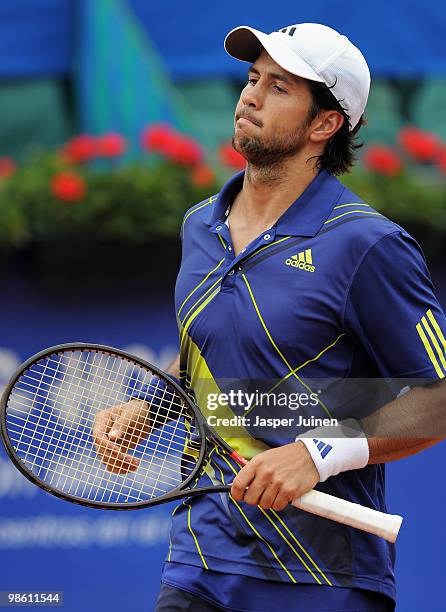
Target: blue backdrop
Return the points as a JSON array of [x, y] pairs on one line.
[[36, 38], [112, 561], [402, 37]]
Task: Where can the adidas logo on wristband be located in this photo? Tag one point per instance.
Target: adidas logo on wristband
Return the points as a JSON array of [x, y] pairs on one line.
[[322, 447], [346, 449]]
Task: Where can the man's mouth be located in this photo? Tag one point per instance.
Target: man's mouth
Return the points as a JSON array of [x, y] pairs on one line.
[[249, 118]]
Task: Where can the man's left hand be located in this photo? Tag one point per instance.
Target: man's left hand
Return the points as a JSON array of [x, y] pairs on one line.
[[274, 478]]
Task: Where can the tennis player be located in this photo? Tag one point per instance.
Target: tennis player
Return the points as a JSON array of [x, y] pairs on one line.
[[289, 277]]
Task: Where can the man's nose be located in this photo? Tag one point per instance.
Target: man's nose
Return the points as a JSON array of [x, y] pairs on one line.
[[252, 96]]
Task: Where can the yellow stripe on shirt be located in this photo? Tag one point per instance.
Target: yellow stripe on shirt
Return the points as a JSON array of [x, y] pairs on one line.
[[429, 350], [297, 368], [434, 341], [350, 212], [282, 535], [194, 210], [435, 325], [200, 284], [279, 352], [256, 531]]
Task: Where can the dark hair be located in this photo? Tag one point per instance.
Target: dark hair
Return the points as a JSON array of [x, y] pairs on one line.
[[340, 151]]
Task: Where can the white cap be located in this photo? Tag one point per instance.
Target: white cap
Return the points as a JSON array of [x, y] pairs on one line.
[[311, 51]]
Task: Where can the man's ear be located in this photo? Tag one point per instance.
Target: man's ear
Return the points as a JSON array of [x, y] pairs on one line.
[[325, 125]]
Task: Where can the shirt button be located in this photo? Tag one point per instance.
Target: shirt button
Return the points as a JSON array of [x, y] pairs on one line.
[[231, 273], [218, 228], [266, 237], [229, 248]]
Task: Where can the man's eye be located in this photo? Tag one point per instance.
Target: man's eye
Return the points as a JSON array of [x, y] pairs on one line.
[[279, 89], [252, 81]]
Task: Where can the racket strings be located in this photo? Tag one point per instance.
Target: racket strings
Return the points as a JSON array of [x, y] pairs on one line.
[[64, 448], [146, 396], [126, 389], [156, 420], [176, 441], [81, 435], [86, 413], [170, 478], [51, 412], [149, 398]]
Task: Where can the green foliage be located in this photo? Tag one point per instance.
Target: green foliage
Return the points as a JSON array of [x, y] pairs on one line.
[[412, 197], [145, 202], [131, 204]]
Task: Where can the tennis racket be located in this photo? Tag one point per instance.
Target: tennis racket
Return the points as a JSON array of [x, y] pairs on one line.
[[55, 432]]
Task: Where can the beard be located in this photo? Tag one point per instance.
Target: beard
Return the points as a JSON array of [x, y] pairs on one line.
[[264, 153]]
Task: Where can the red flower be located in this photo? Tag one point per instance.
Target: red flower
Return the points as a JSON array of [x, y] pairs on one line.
[[111, 145], [172, 145], [382, 160], [80, 149], [420, 145], [7, 167], [68, 186], [203, 175], [230, 157], [183, 150], [156, 137]]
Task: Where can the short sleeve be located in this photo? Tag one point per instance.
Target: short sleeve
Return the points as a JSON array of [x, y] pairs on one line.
[[392, 311]]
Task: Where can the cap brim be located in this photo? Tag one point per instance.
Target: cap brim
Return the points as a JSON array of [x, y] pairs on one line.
[[245, 44]]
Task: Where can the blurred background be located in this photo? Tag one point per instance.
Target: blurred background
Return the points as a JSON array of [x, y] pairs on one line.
[[115, 117]]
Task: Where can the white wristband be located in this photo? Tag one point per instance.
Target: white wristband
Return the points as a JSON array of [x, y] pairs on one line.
[[346, 449]]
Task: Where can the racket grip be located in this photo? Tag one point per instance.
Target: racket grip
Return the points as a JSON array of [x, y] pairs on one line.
[[354, 515]]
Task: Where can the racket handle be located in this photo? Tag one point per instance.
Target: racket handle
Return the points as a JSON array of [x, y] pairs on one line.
[[327, 506]]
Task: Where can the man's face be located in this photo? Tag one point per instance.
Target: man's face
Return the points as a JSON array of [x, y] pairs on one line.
[[270, 122]]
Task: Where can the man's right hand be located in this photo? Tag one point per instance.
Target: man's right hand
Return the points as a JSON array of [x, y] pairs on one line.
[[119, 429]]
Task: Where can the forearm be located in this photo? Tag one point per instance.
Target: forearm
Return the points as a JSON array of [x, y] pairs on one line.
[[408, 424], [158, 395], [174, 368], [383, 450]]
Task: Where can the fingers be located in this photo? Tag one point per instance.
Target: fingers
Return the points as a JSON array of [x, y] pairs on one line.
[[131, 424], [272, 497], [103, 421], [262, 489], [254, 492], [101, 426], [274, 478], [268, 497], [283, 498], [254, 485], [113, 458], [118, 429], [242, 481]]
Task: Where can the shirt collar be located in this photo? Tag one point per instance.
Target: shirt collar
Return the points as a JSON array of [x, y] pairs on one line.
[[225, 198], [304, 217]]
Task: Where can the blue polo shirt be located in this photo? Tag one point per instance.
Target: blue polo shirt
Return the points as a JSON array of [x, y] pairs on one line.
[[333, 291]]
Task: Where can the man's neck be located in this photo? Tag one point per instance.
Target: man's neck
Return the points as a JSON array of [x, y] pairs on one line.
[[268, 192]]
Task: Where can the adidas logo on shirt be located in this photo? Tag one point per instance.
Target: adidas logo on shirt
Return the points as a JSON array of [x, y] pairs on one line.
[[302, 261]]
